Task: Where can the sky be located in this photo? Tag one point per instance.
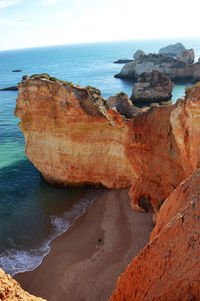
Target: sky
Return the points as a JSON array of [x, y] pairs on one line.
[[33, 23]]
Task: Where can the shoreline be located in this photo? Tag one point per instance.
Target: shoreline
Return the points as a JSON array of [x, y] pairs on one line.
[[85, 261]]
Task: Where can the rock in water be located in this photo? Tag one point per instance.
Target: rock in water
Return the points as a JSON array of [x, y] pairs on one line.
[[172, 49], [11, 290], [17, 70], [152, 87], [137, 54], [168, 267], [12, 88], [186, 56], [175, 69]]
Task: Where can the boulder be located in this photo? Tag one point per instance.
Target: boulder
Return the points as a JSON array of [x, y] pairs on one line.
[[152, 87], [172, 49], [123, 105], [137, 54], [186, 56]]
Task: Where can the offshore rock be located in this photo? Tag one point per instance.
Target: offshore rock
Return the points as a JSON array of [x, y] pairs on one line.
[[11, 290], [172, 49], [137, 54], [122, 61], [72, 136], [152, 87], [186, 56], [175, 69], [168, 267]]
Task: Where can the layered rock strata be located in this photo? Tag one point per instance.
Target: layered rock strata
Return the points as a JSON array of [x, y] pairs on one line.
[[175, 69], [75, 137], [172, 49], [71, 135], [11, 290], [152, 87], [168, 267]]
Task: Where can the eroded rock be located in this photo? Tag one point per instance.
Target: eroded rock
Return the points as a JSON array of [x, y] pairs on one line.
[[11, 290], [186, 56], [152, 87], [168, 267], [138, 54]]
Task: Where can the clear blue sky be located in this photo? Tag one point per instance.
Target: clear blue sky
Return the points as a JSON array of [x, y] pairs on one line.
[[31, 23]]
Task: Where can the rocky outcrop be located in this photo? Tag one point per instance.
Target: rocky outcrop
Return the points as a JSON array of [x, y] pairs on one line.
[[171, 67], [122, 61], [152, 87], [172, 49], [71, 135], [168, 267], [12, 88], [122, 104], [75, 137], [186, 56], [164, 148], [138, 54], [11, 290]]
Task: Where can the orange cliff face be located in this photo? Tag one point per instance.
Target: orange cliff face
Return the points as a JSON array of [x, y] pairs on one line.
[[75, 137], [71, 136], [11, 290], [168, 267]]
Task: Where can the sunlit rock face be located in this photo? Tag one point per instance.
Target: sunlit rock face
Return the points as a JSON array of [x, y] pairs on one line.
[[11, 290], [168, 267], [71, 135], [75, 137]]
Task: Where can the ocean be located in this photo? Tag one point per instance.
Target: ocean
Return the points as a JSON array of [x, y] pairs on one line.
[[33, 213]]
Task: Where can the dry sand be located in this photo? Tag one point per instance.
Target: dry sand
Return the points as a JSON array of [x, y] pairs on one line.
[[85, 262]]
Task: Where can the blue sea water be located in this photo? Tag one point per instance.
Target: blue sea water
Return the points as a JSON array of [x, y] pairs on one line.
[[32, 213]]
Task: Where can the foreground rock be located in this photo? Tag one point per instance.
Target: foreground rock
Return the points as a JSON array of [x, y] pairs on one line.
[[75, 137], [11, 290], [168, 267], [172, 49], [152, 87], [186, 56], [175, 69], [12, 88]]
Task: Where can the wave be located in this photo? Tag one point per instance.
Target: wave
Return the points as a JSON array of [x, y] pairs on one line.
[[14, 261]]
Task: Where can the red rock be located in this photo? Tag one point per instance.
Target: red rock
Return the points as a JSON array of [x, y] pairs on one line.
[[168, 268]]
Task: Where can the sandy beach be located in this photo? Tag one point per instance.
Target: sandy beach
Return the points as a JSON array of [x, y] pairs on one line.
[[85, 262]]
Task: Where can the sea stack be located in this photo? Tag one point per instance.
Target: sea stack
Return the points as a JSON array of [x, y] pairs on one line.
[[152, 87]]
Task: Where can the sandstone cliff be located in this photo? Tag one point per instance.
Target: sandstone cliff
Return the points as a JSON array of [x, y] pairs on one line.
[[75, 137], [11, 290], [168, 267], [71, 135]]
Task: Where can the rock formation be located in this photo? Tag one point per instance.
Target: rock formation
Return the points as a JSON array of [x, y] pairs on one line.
[[168, 267], [12, 88], [71, 135], [75, 137], [137, 54], [172, 49], [186, 56], [11, 290], [171, 67], [122, 61], [152, 87]]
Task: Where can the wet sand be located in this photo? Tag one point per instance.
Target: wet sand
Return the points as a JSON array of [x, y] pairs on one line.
[[85, 262]]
